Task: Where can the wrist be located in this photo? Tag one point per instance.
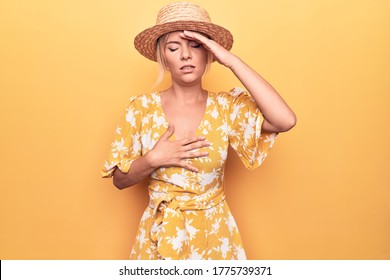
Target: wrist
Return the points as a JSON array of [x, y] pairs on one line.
[[151, 160], [233, 62]]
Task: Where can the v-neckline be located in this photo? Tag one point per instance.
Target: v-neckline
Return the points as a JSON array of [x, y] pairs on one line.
[[173, 137]]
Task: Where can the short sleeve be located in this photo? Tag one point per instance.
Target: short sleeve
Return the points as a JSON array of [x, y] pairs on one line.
[[245, 135], [126, 146]]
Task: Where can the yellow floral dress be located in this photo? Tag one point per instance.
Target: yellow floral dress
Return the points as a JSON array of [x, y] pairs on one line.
[[187, 216]]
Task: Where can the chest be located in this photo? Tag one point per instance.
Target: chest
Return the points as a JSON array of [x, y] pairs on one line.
[[212, 125], [186, 120]]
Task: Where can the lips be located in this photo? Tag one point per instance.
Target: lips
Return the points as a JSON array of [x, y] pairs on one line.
[[187, 67]]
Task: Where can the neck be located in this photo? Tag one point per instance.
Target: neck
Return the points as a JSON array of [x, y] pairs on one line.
[[187, 93]]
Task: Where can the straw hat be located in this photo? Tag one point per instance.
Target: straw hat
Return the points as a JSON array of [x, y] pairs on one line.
[[180, 16]]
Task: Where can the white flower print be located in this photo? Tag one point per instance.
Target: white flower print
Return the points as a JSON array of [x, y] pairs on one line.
[[236, 91], [235, 112], [215, 226], [158, 120], [145, 101], [190, 229], [145, 120], [249, 128], [178, 240], [214, 114], [155, 195], [142, 237], [231, 119], [211, 212], [118, 147], [172, 212], [145, 216], [224, 131], [133, 252], [178, 179], [223, 154], [261, 157], [108, 165], [271, 139], [183, 197], [207, 178], [239, 252], [146, 140], [225, 247], [130, 117], [222, 101], [195, 255], [230, 223], [136, 144], [155, 98]]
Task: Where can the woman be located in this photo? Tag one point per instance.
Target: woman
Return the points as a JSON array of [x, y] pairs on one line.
[[179, 138]]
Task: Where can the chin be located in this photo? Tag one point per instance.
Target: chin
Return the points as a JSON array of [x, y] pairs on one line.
[[189, 80]]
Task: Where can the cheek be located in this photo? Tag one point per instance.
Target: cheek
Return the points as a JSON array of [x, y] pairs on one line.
[[203, 53], [203, 59], [170, 59]]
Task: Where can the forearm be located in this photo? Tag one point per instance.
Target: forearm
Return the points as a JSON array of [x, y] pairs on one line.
[[165, 153], [278, 116], [139, 170]]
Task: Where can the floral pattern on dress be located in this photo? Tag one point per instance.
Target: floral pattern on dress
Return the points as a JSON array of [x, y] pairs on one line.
[[187, 216]]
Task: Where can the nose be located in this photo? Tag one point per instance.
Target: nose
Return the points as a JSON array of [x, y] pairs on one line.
[[186, 53]]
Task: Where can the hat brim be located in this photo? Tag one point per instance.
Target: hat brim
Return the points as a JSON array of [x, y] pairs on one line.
[[146, 41]]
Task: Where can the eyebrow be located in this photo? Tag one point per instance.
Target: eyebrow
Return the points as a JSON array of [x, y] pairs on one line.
[[173, 42], [179, 43]]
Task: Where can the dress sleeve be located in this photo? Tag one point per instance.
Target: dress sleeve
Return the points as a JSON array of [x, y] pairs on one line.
[[126, 146], [245, 135]]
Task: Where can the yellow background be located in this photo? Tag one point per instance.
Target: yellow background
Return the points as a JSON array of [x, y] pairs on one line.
[[68, 69]]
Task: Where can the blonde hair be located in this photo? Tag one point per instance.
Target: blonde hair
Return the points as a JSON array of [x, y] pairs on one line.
[[162, 63]]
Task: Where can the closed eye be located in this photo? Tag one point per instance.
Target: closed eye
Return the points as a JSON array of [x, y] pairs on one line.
[[172, 50]]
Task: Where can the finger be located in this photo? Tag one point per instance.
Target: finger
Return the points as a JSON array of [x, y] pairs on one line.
[[196, 145], [190, 140], [195, 36], [190, 167], [190, 155], [168, 133]]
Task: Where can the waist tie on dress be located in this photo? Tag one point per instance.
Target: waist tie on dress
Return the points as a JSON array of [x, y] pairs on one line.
[[169, 231]]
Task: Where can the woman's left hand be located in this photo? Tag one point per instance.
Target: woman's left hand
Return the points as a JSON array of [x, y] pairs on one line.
[[221, 54]]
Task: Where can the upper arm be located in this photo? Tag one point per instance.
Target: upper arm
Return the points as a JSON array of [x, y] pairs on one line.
[[268, 127]]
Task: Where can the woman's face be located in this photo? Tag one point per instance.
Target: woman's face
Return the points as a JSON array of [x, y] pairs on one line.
[[186, 60]]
